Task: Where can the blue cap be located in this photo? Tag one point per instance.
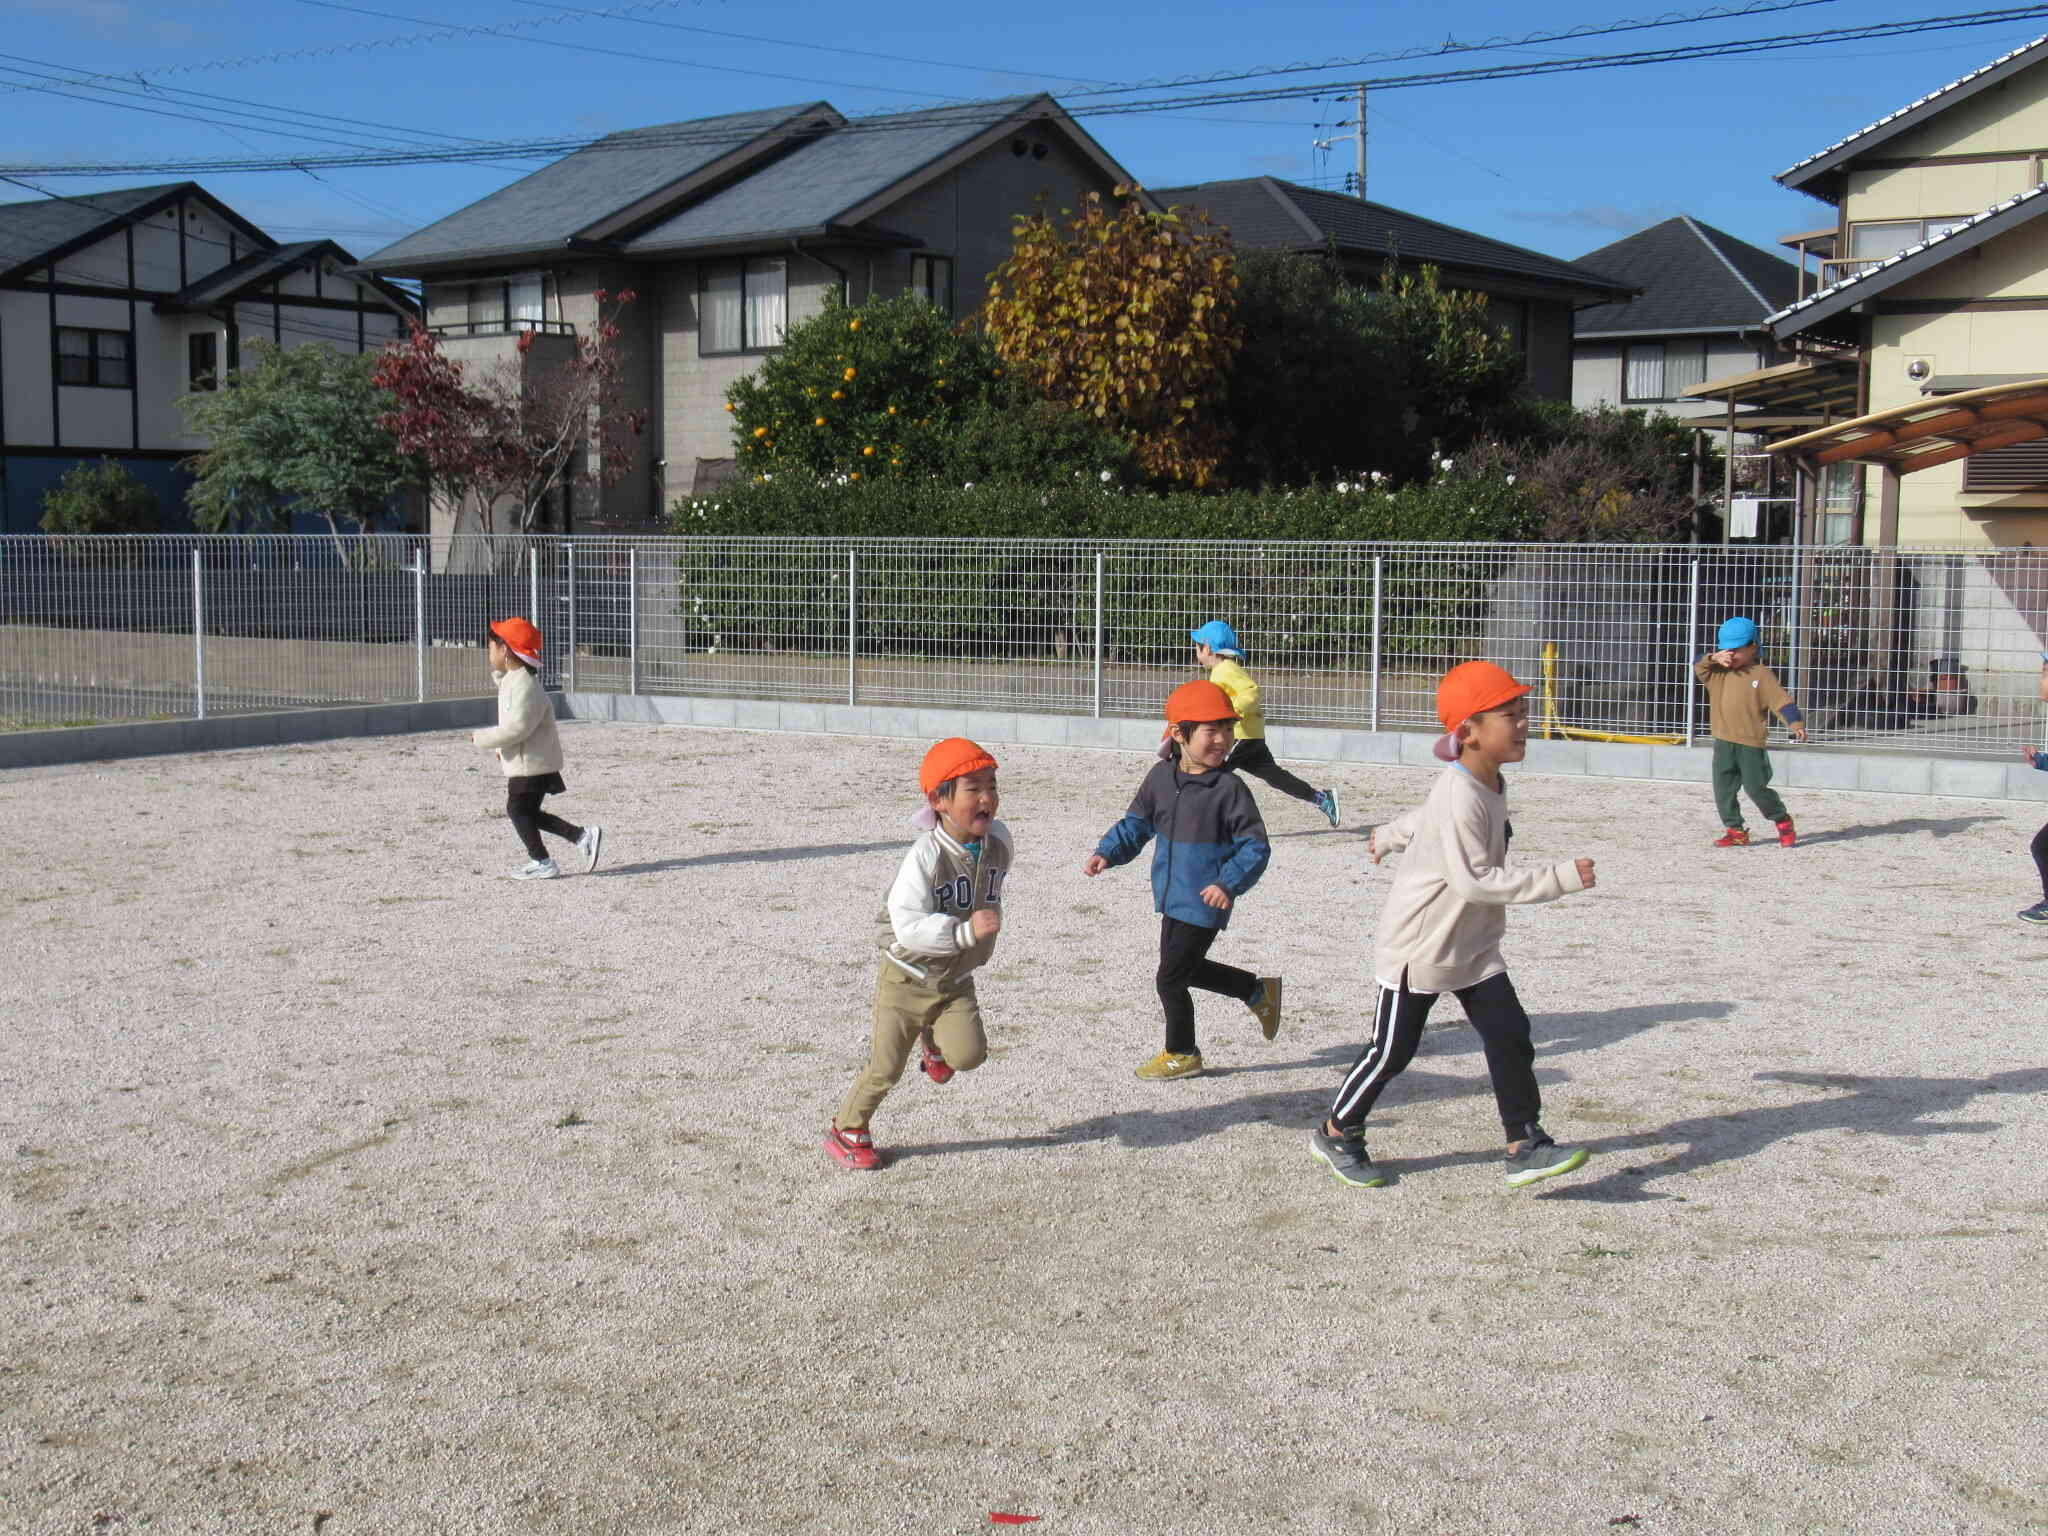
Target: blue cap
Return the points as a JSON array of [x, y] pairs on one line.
[[1219, 637], [1736, 633]]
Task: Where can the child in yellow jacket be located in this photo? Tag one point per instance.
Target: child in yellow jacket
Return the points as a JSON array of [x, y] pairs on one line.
[[1217, 648]]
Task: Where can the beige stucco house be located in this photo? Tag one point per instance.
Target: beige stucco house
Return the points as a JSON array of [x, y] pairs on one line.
[[729, 230], [1938, 285], [115, 304]]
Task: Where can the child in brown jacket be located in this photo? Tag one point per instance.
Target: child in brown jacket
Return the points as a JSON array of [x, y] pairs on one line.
[[1742, 695]]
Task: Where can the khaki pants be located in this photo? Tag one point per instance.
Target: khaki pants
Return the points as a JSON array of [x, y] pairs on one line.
[[903, 1008]]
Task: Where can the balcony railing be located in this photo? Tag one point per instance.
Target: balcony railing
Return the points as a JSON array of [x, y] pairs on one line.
[[504, 328]]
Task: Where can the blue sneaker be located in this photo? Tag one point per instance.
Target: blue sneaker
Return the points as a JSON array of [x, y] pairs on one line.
[[1326, 802], [2037, 913]]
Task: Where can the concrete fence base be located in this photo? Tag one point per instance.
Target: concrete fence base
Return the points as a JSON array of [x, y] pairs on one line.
[[100, 743], [1796, 768]]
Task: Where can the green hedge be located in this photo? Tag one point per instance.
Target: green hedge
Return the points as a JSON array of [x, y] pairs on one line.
[[945, 596]]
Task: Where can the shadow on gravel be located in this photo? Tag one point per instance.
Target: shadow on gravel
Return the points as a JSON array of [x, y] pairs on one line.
[[746, 856], [1558, 1033], [1933, 826], [1871, 1106]]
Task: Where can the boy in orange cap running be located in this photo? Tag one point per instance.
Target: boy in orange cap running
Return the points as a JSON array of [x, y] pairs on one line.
[[1212, 849], [529, 750], [1441, 928], [938, 924]]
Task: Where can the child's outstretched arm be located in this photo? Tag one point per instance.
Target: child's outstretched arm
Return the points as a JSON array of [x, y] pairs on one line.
[[1120, 844], [1393, 836], [919, 926], [1471, 875], [519, 716], [1779, 702]]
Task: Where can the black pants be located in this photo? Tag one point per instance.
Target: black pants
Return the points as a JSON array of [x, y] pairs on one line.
[[1256, 758], [1398, 1017], [1183, 963], [2039, 848], [523, 806]]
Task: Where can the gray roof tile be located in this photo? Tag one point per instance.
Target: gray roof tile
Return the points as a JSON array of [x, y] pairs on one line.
[[811, 186], [1264, 213], [541, 211], [1693, 277], [32, 229]]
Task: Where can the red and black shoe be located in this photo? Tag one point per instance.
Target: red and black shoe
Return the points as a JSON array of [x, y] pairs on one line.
[[856, 1149], [929, 1061], [1734, 837], [1786, 836]]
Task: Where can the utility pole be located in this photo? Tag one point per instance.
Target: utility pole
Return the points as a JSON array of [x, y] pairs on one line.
[[1357, 137]]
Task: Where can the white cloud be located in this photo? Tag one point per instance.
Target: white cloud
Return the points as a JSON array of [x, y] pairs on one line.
[[1621, 221]]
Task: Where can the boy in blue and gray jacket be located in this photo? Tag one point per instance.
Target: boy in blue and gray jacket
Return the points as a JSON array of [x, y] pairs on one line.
[[1212, 849]]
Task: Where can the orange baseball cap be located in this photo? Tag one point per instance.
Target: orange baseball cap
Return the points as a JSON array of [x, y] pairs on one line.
[[949, 759], [520, 637], [1468, 689], [1197, 702]]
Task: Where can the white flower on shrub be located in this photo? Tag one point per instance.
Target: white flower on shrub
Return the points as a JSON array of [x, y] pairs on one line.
[[1511, 479], [1443, 463], [1376, 477], [968, 486], [1343, 487], [1105, 477]]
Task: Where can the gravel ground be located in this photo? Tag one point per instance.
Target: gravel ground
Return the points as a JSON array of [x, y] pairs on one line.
[[352, 1188]]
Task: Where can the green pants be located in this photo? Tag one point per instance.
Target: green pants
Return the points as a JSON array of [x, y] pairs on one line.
[[1748, 769]]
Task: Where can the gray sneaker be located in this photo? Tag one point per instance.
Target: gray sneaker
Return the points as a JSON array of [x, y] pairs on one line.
[[539, 869], [590, 844], [2037, 913], [1542, 1158], [1346, 1158]]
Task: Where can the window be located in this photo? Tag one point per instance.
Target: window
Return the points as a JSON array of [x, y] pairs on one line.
[[743, 306], [100, 359], [1841, 494], [525, 302], [486, 306], [1872, 243], [931, 278], [1658, 370], [202, 360]]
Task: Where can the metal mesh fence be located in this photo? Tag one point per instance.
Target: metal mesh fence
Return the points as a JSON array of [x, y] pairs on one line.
[[1927, 650]]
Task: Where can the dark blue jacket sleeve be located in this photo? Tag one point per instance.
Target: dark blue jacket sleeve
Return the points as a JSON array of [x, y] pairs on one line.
[[1127, 839], [1123, 842], [1245, 832]]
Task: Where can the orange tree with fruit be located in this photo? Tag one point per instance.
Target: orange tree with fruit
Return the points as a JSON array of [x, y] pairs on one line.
[[869, 391]]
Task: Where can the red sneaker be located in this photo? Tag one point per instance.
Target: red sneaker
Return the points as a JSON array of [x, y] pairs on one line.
[[1786, 836], [930, 1062], [1734, 837], [856, 1149]]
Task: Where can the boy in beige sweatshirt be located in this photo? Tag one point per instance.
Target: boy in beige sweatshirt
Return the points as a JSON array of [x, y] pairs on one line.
[[1441, 928]]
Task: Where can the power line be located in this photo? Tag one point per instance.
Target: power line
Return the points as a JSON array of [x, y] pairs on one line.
[[978, 112]]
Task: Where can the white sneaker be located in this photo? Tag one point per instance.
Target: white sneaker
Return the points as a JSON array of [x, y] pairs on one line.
[[589, 845], [539, 869]]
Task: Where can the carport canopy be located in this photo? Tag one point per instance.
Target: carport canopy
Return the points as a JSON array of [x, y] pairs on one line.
[[1924, 433]]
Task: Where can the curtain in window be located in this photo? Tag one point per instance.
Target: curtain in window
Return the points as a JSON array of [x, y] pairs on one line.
[[767, 300], [1684, 366], [74, 356], [527, 310], [1645, 373], [718, 323], [114, 367]]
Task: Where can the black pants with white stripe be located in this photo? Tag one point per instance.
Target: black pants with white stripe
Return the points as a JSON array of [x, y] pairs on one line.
[[1398, 1017]]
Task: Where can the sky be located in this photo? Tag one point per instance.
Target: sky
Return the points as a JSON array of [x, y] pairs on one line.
[[1562, 164]]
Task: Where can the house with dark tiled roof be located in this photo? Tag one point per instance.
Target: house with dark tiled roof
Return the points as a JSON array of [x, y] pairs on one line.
[[730, 229], [1699, 311], [1531, 295], [1936, 284], [114, 304]]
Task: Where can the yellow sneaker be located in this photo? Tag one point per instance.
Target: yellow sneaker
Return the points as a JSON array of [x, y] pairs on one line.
[[1172, 1064], [1265, 1005]]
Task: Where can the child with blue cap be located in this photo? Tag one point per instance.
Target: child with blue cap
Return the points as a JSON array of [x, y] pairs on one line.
[[1217, 648], [2038, 912], [1742, 695]]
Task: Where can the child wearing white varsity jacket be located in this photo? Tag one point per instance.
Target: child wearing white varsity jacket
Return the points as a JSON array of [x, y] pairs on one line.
[[938, 926], [1441, 928]]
